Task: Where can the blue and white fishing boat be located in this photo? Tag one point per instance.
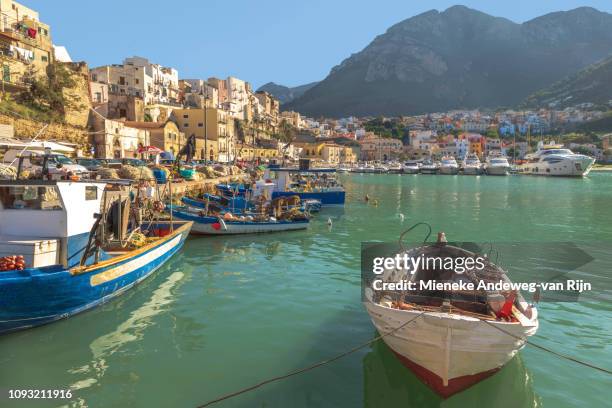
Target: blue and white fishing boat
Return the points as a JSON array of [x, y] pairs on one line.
[[316, 184], [66, 234], [220, 225]]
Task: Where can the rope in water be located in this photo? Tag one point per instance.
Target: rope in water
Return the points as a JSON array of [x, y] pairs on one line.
[[375, 339], [311, 367], [563, 356]]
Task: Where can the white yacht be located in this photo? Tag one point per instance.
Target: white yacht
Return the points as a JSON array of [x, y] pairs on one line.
[[472, 165], [394, 168], [555, 160], [449, 165], [430, 167], [411, 167], [497, 166]]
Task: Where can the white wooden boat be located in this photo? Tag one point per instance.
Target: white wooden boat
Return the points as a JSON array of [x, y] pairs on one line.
[[451, 343]]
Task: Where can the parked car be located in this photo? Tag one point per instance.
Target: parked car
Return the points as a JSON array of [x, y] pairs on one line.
[[57, 164], [89, 163], [111, 163], [133, 162]]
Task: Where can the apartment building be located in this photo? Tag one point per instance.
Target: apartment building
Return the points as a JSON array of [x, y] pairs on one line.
[[139, 77], [25, 43]]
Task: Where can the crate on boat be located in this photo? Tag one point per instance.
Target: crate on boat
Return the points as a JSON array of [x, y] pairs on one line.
[[36, 252]]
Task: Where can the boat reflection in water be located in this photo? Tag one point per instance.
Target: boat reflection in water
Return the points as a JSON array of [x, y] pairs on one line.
[[131, 330], [388, 383]]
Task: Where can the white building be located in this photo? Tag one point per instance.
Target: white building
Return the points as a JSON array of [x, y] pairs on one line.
[[141, 78]]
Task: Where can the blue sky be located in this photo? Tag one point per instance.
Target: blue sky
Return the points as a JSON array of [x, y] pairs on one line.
[[286, 41]]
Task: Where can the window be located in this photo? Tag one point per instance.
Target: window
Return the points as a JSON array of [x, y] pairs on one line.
[[137, 81], [122, 113], [91, 193], [98, 97], [185, 116], [200, 124], [185, 124], [44, 58], [121, 80], [30, 198]]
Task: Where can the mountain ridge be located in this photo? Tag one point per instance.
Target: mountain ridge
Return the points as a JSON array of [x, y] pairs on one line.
[[284, 93], [459, 58]]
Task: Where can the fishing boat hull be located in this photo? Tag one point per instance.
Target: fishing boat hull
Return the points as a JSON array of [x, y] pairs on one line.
[[38, 296], [216, 226], [448, 352], [327, 198]]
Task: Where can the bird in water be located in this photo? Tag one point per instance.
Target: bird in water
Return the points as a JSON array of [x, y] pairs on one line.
[[329, 221], [367, 198], [401, 217]]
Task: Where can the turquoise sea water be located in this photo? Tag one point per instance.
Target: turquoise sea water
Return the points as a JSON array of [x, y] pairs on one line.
[[228, 312]]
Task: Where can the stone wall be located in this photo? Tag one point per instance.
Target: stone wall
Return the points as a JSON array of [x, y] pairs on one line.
[[27, 129]]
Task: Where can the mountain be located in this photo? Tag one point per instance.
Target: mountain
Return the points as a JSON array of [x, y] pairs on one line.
[[285, 94], [592, 84], [459, 58]]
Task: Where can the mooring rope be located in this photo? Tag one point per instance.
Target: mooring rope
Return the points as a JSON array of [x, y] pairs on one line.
[[375, 339], [563, 356], [311, 367]]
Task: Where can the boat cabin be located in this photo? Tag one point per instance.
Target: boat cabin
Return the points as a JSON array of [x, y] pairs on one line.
[[47, 221]]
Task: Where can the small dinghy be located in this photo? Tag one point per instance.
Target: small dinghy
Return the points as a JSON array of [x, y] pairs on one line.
[[450, 339]]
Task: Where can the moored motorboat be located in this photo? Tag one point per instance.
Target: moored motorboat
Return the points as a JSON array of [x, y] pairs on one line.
[[411, 167], [555, 160], [308, 184], [223, 225], [450, 338], [497, 166], [472, 165], [394, 168], [448, 165], [429, 167]]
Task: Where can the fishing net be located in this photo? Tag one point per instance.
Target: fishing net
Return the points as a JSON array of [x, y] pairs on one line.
[[7, 172]]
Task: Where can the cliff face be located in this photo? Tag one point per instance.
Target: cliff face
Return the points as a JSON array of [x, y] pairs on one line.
[[76, 112], [459, 58]]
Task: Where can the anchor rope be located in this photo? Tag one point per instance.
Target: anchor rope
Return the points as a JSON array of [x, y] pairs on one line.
[[563, 356], [311, 367], [375, 339]]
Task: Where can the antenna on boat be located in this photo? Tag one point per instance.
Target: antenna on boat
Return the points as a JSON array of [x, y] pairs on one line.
[[401, 238]]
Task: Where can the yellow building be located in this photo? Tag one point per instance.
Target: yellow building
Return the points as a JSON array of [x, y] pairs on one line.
[[248, 152], [213, 129], [25, 43], [165, 136]]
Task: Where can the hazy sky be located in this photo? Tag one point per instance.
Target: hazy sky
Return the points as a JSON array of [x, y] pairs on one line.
[[289, 42]]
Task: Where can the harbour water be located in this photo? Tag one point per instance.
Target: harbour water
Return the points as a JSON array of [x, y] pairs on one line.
[[228, 312]]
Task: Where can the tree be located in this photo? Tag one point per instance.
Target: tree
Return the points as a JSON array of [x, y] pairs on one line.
[[492, 133], [47, 93]]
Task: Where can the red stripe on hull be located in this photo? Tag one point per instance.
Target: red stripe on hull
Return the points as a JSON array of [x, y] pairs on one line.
[[434, 382]]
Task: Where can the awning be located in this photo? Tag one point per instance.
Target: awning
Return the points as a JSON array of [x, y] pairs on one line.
[[150, 150]]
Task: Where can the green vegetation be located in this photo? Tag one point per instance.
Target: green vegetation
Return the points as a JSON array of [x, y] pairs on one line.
[[392, 128], [44, 99], [603, 124]]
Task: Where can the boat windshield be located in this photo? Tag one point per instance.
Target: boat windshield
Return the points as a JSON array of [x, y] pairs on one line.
[[499, 161], [62, 159], [30, 198], [557, 151]]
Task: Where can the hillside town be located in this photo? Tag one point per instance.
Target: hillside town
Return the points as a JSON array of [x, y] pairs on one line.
[[119, 108]]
